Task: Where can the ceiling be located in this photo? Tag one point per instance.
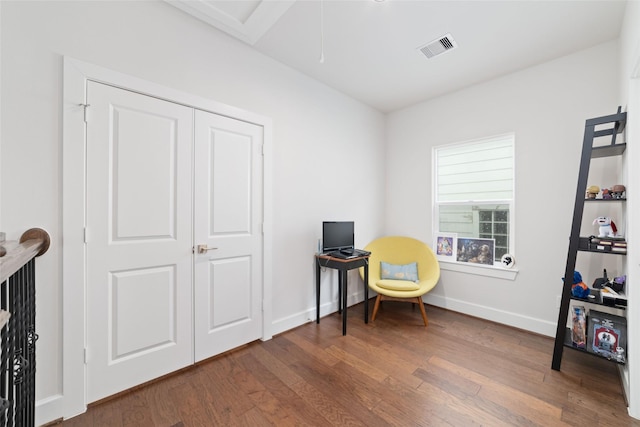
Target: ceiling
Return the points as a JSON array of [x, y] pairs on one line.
[[370, 49]]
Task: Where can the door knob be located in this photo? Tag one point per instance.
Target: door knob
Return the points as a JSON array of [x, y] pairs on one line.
[[203, 249]]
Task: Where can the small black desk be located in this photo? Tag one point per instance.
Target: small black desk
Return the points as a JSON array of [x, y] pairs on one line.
[[343, 266]]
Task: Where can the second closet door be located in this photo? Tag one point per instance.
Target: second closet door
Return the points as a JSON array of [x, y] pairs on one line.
[[228, 231]]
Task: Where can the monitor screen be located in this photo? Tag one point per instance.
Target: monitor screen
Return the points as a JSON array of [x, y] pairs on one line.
[[337, 235]]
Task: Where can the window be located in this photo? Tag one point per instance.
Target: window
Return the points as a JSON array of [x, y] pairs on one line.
[[474, 191]]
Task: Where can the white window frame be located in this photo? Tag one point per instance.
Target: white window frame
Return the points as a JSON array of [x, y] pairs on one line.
[[497, 269]]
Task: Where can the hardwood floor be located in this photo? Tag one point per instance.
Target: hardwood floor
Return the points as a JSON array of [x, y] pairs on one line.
[[459, 371]]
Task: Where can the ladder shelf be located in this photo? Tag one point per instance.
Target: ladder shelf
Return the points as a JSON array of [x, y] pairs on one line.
[[607, 126]]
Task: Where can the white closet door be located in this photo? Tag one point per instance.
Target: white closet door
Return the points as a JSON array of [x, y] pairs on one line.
[[228, 223], [139, 239]]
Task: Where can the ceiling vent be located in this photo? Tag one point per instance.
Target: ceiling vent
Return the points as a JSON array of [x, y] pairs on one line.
[[438, 46]]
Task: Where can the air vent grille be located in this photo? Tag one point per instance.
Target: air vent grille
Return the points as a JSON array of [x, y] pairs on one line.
[[438, 46]]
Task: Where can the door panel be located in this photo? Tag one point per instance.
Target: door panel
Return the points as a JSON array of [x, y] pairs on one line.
[[139, 239], [228, 217], [228, 300], [128, 292], [230, 160], [144, 175]]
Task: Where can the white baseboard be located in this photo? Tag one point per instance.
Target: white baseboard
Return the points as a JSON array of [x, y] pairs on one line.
[[516, 320], [309, 315], [49, 409]]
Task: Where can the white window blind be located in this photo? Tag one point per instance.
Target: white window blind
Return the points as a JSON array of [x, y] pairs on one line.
[[477, 171]]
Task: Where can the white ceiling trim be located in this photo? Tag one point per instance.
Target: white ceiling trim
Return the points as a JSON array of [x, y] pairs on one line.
[[249, 30]]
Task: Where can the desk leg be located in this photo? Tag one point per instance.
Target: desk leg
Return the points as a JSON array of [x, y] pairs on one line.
[[366, 292], [317, 291], [344, 301], [339, 291]]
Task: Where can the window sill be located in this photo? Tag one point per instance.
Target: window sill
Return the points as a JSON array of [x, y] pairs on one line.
[[480, 270]]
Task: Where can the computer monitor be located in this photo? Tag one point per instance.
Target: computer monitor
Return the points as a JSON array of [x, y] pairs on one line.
[[337, 235]]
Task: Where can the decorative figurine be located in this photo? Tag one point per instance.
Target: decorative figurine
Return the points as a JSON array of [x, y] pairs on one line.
[[606, 194], [579, 289], [607, 226], [592, 191], [578, 327], [617, 191], [617, 284]]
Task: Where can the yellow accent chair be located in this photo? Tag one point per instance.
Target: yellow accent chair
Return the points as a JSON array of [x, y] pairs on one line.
[[398, 252]]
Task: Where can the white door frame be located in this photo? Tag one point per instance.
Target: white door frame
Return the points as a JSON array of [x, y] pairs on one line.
[[75, 76], [631, 378]]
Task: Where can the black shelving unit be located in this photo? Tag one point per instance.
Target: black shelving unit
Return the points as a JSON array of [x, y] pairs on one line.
[[568, 343], [596, 299], [608, 126]]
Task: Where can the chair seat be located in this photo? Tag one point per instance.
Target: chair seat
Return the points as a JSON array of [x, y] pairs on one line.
[[398, 285]]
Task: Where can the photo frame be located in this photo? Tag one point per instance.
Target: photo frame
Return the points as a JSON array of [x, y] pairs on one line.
[[607, 335], [445, 245], [475, 250]]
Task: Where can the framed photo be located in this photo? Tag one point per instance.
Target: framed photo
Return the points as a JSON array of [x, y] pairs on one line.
[[475, 250], [607, 335], [445, 246]]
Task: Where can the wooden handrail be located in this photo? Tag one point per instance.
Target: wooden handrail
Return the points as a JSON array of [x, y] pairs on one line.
[[33, 243]]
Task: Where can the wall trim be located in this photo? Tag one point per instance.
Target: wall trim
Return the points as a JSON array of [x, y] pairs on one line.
[[48, 409], [480, 270], [635, 73], [531, 324], [309, 315], [630, 373]]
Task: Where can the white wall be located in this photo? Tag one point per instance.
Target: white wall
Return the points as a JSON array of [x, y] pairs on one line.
[[317, 132], [630, 95], [546, 106]]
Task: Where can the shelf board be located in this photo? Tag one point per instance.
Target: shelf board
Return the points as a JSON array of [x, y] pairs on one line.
[[584, 245], [569, 344], [602, 252], [608, 150], [597, 300], [623, 199]]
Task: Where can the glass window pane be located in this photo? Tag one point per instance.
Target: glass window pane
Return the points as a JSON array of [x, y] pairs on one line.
[[485, 216], [502, 241], [457, 219], [502, 216], [501, 228]]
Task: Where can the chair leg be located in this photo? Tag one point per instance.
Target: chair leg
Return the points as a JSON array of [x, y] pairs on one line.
[[376, 307], [422, 310]]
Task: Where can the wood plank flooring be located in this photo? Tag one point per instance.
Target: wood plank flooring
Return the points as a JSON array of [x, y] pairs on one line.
[[459, 371]]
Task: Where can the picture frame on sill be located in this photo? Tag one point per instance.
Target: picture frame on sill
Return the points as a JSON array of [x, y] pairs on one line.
[[445, 245], [475, 250]]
